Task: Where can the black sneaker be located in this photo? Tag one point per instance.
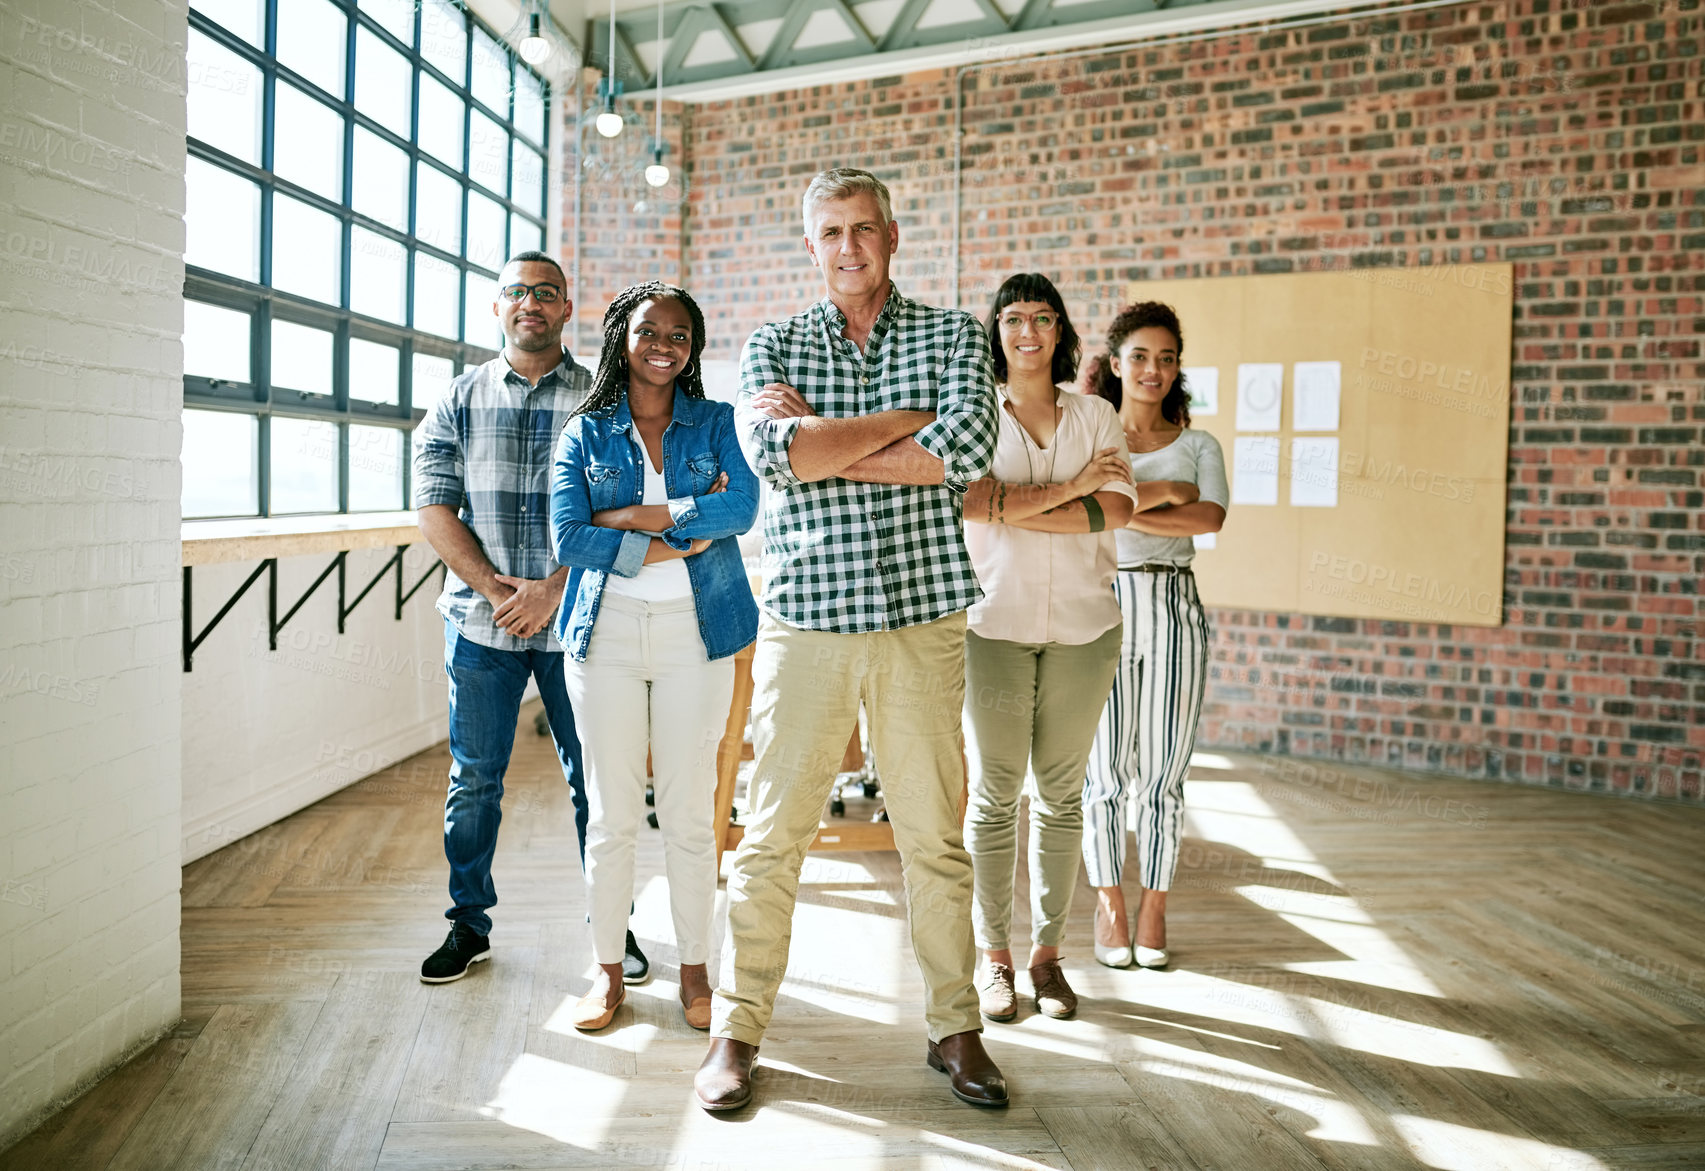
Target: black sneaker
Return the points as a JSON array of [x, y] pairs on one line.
[[635, 967], [463, 946]]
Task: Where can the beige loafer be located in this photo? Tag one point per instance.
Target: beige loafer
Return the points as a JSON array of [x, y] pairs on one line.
[[592, 1013]]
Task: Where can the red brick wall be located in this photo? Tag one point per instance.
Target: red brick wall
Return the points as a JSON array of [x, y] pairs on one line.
[[751, 160], [633, 233], [1563, 137]]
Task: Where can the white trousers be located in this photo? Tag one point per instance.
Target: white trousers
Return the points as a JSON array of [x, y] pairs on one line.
[[1147, 730], [646, 681]]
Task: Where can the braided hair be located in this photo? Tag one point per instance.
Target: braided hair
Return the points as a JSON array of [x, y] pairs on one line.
[[1100, 379], [610, 384]]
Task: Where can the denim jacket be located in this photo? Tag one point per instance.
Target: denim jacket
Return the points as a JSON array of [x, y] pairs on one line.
[[598, 466]]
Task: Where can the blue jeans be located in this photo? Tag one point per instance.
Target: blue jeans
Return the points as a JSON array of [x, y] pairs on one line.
[[485, 701]]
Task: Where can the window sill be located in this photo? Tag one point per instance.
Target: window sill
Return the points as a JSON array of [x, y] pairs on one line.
[[210, 542]]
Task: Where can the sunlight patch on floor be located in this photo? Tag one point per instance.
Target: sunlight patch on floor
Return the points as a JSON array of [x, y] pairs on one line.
[[1450, 1147], [1335, 1120], [1234, 814], [563, 1102], [821, 973]]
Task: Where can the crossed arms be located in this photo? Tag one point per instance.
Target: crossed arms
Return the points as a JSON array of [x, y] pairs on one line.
[[874, 449], [788, 443]]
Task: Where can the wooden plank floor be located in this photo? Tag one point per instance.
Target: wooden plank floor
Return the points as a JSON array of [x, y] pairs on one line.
[[1372, 970]]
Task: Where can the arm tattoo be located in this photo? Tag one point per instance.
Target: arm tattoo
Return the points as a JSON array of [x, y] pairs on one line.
[[1000, 487], [1097, 518]]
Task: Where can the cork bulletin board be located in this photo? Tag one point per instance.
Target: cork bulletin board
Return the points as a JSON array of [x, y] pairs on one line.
[[1365, 421]]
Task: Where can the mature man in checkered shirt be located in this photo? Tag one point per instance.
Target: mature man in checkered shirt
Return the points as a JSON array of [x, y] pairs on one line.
[[482, 470], [868, 414]]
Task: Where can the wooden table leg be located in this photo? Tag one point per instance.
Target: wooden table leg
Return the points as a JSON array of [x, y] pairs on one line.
[[728, 753]]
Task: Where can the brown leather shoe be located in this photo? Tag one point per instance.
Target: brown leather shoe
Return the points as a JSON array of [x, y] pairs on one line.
[[971, 1072], [1054, 997], [724, 1080]]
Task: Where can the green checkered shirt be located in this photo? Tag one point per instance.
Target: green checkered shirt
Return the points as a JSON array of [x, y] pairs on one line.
[[850, 557]]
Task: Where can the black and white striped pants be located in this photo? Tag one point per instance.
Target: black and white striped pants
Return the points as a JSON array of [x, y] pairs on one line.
[[1147, 730]]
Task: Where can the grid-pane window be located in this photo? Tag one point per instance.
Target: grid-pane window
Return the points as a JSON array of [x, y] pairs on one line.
[[378, 276], [394, 16], [240, 18], [373, 371], [381, 179], [225, 92], [383, 89], [441, 117], [351, 196], [432, 378], [488, 153], [221, 463], [311, 37], [307, 250], [307, 143], [304, 465], [302, 358], [375, 469], [311, 41], [216, 343], [222, 218]]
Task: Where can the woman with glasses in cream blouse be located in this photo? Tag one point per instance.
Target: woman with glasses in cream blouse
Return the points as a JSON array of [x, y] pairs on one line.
[[1044, 641]]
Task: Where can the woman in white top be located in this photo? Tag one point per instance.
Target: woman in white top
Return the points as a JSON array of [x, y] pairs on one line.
[[1043, 642], [1148, 725], [649, 491]]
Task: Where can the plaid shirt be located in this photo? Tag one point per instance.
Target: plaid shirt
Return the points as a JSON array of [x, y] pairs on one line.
[[486, 451], [848, 557]]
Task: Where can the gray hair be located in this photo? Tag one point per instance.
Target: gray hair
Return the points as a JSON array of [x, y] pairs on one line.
[[843, 183]]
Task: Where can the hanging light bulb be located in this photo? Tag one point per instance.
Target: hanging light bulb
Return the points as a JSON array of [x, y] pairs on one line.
[[609, 122], [534, 47], [657, 175]]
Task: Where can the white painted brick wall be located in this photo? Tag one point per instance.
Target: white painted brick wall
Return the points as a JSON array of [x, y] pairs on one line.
[[91, 271], [266, 732]]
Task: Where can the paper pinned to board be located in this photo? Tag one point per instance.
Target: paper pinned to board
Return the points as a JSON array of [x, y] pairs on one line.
[[1315, 393], [1255, 469], [1260, 394], [1203, 383], [1314, 472]]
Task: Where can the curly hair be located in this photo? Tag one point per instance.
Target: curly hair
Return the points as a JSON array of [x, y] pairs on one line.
[[610, 384], [1033, 286], [1100, 379]]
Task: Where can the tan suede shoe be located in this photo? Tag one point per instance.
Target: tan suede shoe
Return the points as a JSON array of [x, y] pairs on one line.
[[997, 995]]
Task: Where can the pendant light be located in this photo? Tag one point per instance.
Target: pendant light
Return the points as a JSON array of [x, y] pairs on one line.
[[534, 47], [657, 175], [609, 123], [533, 34]]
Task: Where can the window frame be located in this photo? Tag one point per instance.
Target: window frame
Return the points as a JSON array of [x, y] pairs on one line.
[[263, 303]]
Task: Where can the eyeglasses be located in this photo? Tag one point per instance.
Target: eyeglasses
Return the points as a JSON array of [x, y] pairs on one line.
[[1042, 321], [543, 294]]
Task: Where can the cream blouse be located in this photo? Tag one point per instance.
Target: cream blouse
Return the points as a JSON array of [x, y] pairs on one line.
[[1048, 587]]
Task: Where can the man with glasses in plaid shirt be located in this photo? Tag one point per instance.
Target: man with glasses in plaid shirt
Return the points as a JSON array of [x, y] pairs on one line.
[[482, 470], [868, 415]]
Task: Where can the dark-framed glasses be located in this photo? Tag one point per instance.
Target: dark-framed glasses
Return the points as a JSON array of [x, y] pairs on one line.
[[543, 294]]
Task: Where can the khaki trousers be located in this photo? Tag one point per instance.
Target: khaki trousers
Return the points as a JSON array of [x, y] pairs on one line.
[[807, 688], [1030, 710]]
